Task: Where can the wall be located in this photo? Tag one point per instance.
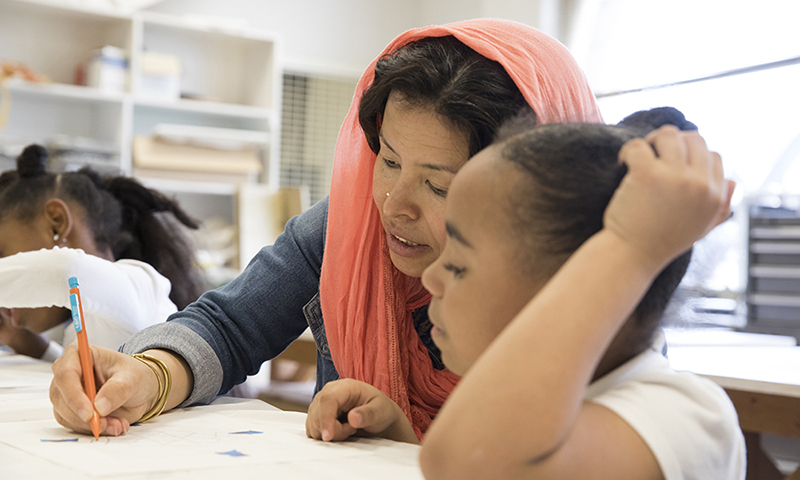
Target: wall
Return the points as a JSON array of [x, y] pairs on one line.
[[335, 36], [344, 36]]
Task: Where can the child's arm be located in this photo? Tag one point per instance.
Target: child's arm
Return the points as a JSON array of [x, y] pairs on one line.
[[519, 411], [348, 407], [36, 279]]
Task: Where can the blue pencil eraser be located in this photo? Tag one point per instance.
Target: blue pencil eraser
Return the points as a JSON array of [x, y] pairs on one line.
[[73, 282]]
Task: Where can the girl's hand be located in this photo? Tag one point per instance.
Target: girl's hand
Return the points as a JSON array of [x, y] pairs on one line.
[[674, 193], [7, 328], [20, 339], [348, 407], [127, 389]]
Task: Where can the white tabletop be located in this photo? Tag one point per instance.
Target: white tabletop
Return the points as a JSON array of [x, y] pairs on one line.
[[231, 438], [724, 337], [741, 361]]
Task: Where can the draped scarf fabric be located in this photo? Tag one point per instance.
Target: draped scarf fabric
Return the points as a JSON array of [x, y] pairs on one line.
[[366, 301]]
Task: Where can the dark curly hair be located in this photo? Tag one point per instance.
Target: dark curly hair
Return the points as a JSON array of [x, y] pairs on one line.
[[124, 216], [474, 93], [570, 173]]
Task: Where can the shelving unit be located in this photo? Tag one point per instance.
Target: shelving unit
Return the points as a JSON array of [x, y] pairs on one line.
[[231, 78], [773, 287]]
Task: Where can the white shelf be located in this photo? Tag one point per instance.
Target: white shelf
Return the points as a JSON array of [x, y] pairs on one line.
[[775, 248], [774, 300], [187, 186], [210, 108], [209, 25], [73, 8], [64, 91], [774, 271], [88, 94]]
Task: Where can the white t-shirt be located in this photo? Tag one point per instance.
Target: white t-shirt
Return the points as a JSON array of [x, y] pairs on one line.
[[688, 422], [119, 298]]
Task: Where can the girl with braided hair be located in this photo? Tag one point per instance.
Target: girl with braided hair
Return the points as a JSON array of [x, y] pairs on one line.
[[120, 238]]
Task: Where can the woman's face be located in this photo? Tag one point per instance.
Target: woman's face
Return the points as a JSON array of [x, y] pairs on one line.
[[476, 283], [418, 158]]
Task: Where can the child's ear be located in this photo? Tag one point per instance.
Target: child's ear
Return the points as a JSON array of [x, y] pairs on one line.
[[59, 218]]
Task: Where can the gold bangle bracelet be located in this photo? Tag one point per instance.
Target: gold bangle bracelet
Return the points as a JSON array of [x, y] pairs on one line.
[[163, 388]]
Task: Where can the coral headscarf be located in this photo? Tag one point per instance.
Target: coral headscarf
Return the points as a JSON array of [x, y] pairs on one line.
[[366, 301]]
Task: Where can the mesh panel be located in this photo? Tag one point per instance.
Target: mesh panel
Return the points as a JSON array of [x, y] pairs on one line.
[[313, 111]]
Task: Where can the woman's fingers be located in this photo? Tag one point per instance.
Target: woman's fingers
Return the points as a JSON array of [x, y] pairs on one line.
[[121, 399], [324, 420], [68, 417], [70, 402], [344, 407], [323, 417], [116, 426], [375, 416]]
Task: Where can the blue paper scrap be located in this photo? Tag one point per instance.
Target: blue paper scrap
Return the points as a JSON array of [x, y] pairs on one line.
[[233, 453]]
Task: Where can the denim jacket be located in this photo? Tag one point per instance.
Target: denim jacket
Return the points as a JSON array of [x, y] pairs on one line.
[[230, 331]]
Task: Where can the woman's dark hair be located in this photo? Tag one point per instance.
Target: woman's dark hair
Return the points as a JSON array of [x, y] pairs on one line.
[[124, 216], [441, 73], [572, 172]]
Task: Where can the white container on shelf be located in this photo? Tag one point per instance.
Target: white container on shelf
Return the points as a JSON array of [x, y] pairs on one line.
[[107, 70]]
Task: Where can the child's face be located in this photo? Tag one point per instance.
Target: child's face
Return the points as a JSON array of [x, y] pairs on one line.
[[17, 236], [476, 285]]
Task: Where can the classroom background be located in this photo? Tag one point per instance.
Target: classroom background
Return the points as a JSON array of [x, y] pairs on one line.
[[234, 106]]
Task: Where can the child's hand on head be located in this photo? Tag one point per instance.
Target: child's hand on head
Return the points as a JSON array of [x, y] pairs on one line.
[[348, 407], [673, 194]]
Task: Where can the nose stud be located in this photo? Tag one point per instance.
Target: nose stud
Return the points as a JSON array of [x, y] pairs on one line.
[[387, 194]]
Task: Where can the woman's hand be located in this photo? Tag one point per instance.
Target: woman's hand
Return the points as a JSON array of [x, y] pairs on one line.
[[348, 407], [674, 193], [127, 389]]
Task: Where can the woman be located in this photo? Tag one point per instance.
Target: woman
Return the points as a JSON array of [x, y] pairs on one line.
[[436, 96]]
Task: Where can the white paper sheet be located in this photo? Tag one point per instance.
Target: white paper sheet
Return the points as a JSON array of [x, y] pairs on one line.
[[184, 440]]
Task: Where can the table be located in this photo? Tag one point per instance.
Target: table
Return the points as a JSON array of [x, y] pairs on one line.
[[231, 438], [762, 378]]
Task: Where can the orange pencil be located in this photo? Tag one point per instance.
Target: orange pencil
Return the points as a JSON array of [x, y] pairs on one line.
[[83, 350]]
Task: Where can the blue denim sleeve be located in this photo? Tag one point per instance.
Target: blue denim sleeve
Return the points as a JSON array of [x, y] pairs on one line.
[[230, 331]]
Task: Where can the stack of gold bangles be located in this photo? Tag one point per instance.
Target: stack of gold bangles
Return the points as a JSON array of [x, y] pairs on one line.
[[163, 387]]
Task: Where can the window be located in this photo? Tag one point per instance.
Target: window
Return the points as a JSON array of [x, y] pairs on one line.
[[733, 68]]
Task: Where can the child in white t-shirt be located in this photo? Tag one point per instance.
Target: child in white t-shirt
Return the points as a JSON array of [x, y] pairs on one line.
[[564, 245], [134, 264]]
